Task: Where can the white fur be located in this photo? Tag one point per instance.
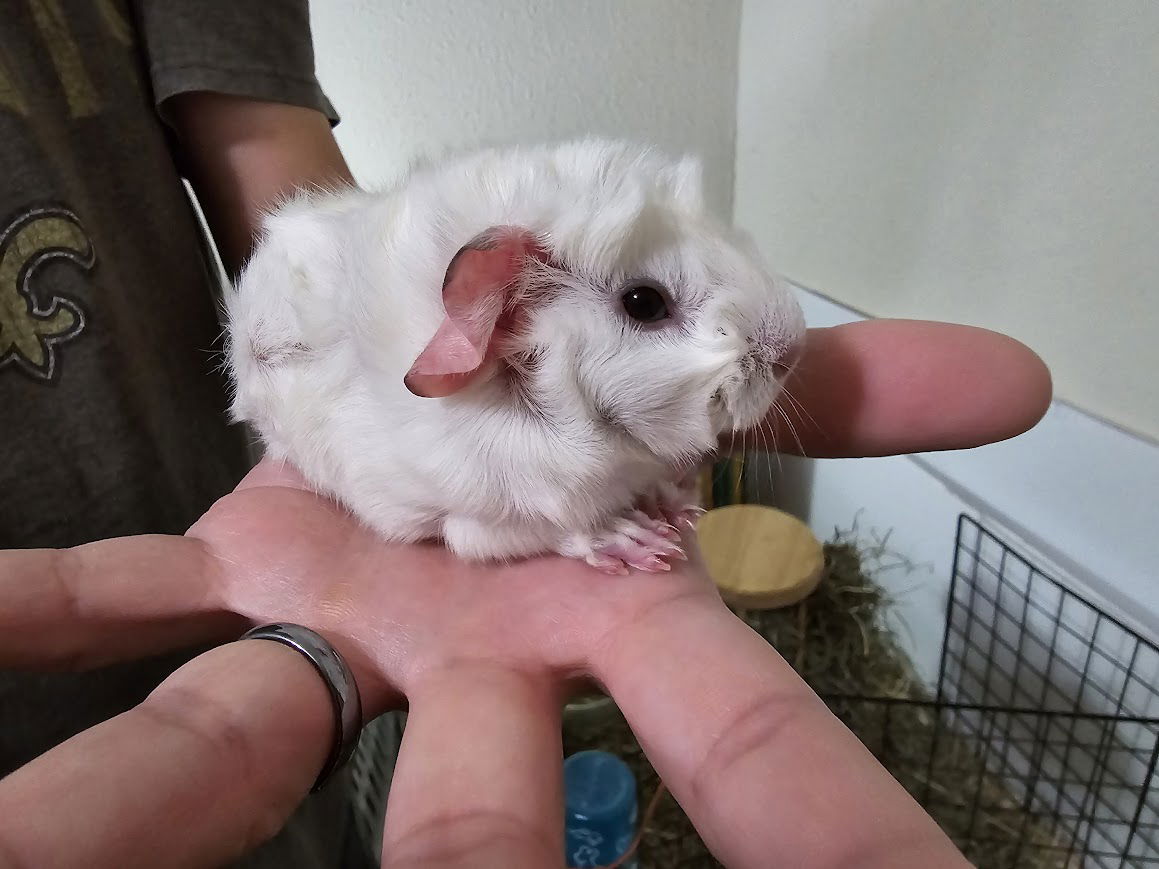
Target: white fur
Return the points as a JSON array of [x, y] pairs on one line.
[[343, 293]]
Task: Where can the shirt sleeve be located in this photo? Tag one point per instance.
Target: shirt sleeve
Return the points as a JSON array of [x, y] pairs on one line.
[[260, 49]]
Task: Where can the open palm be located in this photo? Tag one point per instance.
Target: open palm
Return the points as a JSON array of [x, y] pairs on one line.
[[482, 655]]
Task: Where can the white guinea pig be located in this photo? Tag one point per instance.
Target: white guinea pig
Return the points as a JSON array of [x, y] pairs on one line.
[[518, 351]]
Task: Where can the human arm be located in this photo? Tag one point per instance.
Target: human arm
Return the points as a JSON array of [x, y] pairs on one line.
[[244, 154], [235, 84]]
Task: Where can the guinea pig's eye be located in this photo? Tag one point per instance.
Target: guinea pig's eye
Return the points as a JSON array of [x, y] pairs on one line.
[[644, 302]]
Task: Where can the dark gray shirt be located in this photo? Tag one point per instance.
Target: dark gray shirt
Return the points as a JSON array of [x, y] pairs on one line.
[[112, 409]]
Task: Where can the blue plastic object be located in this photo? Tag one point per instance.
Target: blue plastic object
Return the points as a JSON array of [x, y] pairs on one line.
[[600, 805]]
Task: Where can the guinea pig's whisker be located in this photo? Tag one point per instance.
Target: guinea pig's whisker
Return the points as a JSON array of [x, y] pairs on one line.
[[758, 447], [772, 436], [792, 428], [798, 407], [769, 435]]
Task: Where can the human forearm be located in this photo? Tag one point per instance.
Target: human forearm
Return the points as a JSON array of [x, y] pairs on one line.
[[242, 155]]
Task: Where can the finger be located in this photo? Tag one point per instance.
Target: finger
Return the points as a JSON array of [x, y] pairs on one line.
[[479, 777], [885, 387], [208, 767], [107, 601], [753, 756], [116, 599]]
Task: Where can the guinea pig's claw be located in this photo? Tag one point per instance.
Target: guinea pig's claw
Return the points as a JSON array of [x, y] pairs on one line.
[[649, 563], [654, 564], [674, 506], [635, 539], [653, 523], [607, 564], [688, 517], [637, 547]]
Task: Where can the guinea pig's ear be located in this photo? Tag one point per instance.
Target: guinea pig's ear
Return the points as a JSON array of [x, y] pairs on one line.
[[479, 290]]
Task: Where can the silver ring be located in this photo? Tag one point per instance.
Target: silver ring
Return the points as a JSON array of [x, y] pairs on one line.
[[339, 681]]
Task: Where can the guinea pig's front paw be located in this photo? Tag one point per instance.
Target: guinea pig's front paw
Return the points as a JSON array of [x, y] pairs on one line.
[[672, 503], [633, 539]]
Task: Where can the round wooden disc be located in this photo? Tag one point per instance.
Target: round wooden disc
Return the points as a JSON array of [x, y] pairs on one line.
[[759, 557]]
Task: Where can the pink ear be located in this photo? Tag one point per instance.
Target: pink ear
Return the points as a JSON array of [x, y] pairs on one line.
[[477, 292]]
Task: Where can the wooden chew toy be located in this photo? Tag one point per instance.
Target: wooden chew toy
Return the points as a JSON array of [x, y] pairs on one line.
[[759, 557]]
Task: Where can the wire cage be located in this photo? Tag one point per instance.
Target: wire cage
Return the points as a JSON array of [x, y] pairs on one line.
[[1041, 744]]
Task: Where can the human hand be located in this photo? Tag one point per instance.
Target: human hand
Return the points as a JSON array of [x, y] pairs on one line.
[[482, 654]]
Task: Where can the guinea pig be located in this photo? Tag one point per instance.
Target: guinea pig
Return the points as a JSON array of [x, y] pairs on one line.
[[518, 351]]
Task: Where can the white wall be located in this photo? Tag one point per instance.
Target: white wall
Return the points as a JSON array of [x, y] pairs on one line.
[[413, 77], [983, 162]]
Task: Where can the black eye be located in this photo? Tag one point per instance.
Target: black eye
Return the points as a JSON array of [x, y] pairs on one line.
[[645, 303]]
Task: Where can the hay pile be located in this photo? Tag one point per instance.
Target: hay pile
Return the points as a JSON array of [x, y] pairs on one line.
[[837, 638], [839, 642]]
